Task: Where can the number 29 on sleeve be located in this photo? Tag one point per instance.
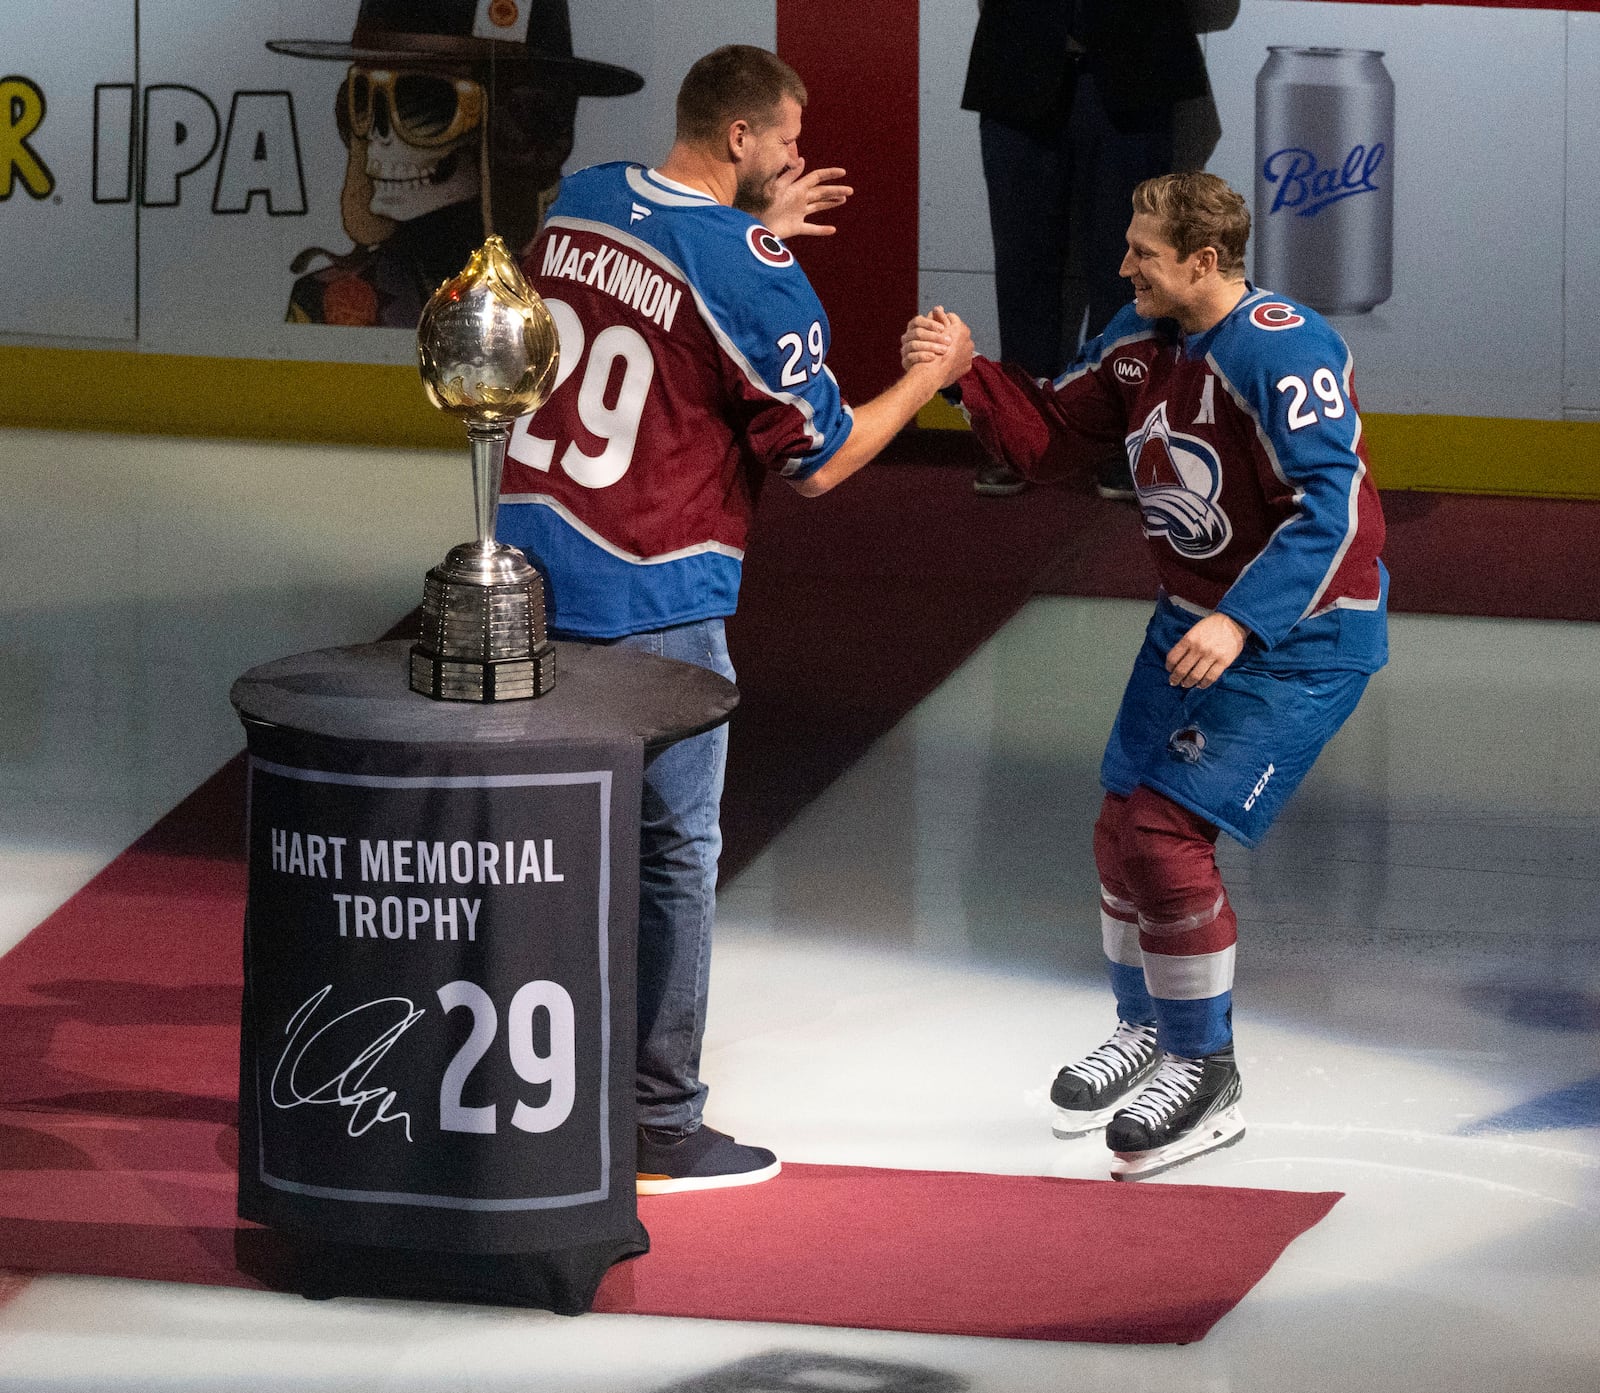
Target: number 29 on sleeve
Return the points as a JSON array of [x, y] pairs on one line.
[[1326, 387], [803, 358]]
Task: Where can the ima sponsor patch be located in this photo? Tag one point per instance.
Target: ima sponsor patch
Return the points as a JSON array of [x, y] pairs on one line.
[[1274, 314], [766, 246], [1129, 370]]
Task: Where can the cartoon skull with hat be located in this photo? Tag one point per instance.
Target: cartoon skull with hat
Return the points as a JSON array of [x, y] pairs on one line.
[[458, 115]]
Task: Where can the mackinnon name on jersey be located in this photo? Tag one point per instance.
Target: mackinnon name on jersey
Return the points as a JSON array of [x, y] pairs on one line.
[[611, 270]]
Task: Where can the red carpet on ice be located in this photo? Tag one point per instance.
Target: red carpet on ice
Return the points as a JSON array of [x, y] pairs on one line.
[[118, 1148]]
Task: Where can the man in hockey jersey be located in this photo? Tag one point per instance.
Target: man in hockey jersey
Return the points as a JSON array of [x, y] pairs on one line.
[[1238, 415], [692, 364]]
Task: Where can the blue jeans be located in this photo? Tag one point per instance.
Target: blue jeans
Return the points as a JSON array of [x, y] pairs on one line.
[[680, 838]]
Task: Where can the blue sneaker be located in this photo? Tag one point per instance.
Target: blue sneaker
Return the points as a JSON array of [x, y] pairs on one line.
[[704, 1159]]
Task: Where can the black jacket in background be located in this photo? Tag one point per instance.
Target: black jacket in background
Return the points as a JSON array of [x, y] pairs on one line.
[[1143, 55]]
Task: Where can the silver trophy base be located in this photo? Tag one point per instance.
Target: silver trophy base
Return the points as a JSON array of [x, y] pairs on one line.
[[464, 679], [483, 628]]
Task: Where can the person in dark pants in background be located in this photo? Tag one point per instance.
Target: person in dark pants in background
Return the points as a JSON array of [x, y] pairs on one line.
[[1075, 101]]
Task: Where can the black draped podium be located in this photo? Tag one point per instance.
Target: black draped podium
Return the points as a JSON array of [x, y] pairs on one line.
[[437, 1048]]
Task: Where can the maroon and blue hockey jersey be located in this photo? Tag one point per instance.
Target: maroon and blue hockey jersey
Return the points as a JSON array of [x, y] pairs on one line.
[[1246, 448], [692, 364]]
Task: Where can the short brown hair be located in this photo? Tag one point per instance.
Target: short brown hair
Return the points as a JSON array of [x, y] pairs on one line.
[[1197, 210], [733, 83]]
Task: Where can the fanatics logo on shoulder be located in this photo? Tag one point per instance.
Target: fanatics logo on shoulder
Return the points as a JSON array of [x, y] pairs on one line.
[[1130, 370], [1274, 314], [767, 248]]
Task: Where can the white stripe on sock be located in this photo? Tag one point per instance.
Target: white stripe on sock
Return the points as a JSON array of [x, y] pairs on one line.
[[1194, 977], [1120, 940]]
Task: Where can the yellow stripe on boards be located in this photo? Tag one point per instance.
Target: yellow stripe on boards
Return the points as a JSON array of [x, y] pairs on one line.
[[368, 404], [1486, 454], [254, 398], [1452, 454]]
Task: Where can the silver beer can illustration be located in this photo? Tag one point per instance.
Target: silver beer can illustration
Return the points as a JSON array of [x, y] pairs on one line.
[[1324, 214]]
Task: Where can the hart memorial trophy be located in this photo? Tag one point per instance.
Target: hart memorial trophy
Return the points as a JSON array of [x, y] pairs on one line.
[[487, 350]]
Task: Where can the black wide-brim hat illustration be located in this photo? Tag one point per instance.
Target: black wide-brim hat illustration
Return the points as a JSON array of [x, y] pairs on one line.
[[523, 36]]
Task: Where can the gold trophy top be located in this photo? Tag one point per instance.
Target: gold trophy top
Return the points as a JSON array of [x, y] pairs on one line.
[[487, 347]]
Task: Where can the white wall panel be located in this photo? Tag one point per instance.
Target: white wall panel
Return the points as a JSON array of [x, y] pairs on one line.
[[954, 224], [1582, 395], [79, 254], [220, 285]]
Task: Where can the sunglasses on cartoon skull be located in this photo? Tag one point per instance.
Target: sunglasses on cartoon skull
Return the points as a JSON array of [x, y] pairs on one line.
[[422, 108]]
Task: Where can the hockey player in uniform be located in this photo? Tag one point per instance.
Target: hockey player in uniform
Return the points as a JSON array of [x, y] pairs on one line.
[[693, 363], [1238, 413]]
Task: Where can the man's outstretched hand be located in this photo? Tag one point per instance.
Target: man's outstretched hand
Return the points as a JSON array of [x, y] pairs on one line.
[[797, 197], [938, 337], [941, 338]]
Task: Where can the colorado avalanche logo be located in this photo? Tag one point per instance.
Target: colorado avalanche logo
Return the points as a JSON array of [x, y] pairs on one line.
[[1274, 314], [1178, 478], [1187, 744], [767, 247]]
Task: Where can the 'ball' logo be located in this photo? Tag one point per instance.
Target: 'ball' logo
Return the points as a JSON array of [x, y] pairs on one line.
[[767, 247], [1274, 314], [1130, 370]]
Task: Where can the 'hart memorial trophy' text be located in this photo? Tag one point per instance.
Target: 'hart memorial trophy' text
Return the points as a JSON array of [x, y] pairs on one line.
[[487, 350]]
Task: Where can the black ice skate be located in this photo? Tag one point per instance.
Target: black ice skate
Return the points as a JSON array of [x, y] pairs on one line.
[[1189, 1107], [1087, 1093]]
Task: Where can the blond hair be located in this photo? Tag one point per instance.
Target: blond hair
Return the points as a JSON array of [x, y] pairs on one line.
[[1196, 210]]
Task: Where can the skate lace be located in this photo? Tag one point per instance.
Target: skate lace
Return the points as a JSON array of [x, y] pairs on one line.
[[1170, 1087], [1120, 1056]]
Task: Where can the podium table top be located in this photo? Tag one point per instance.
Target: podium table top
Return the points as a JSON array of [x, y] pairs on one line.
[[601, 691]]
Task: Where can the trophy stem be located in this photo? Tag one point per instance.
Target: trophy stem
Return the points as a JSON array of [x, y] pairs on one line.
[[489, 441]]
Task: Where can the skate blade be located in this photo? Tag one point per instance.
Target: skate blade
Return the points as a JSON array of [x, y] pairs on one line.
[[1068, 1124], [1226, 1128]]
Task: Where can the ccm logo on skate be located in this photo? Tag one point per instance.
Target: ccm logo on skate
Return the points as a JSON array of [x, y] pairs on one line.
[[1130, 370], [1255, 793]]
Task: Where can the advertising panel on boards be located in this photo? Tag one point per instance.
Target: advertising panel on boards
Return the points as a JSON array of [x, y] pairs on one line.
[[293, 180], [1448, 224], [277, 181]]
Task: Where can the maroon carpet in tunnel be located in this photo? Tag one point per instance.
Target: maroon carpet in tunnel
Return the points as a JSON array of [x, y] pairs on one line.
[[858, 604]]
